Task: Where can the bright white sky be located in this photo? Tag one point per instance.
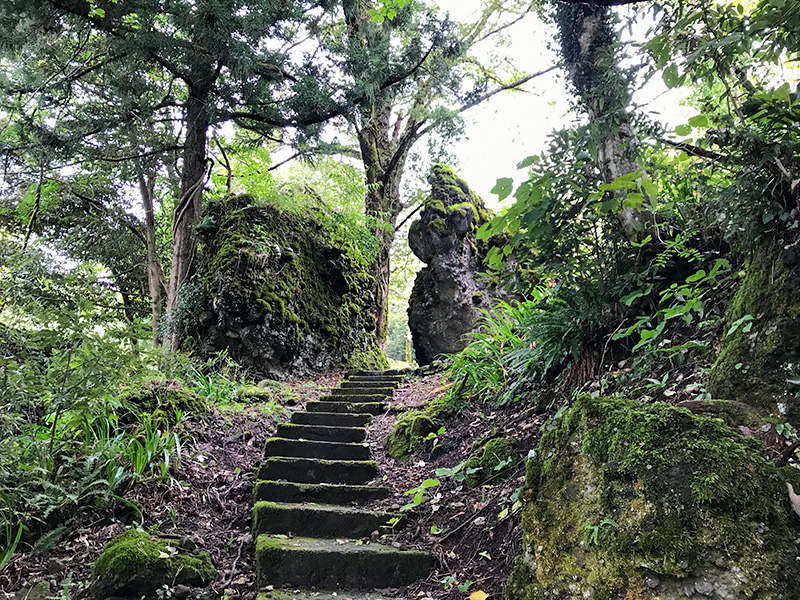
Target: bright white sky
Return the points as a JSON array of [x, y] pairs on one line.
[[514, 125]]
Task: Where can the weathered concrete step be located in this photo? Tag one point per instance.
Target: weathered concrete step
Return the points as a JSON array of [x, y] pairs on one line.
[[331, 419], [313, 449], [317, 470], [371, 408], [351, 397], [321, 433], [330, 564], [317, 520], [320, 595], [382, 383], [321, 493], [383, 373], [362, 391], [392, 379]]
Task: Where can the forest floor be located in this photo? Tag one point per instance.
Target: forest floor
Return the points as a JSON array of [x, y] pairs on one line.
[[473, 532]]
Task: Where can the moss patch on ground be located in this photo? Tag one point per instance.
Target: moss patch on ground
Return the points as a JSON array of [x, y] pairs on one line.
[[164, 400], [489, 459], [630, 500], [135, 565], [413, 427]]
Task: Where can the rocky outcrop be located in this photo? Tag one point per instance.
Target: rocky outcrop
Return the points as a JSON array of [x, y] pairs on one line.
[[447, 292], [624, 500], [282, 292]]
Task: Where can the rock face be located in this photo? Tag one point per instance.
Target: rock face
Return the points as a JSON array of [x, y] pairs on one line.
[[447, 292], [283, 293], [655, 503]]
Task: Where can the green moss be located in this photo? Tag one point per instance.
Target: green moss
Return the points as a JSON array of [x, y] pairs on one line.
[[374, 358], [411, 429], [163, 400], [756, 360], [133, 563], [491, 457], [622, 490], [450, 193]]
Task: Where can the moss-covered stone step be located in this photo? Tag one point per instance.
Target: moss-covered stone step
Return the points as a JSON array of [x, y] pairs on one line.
[[363, 391], [321, 433], [313, 449], [317, 470], [331, 419], [379, 383], [349, 396], [393, 379], [331, 564], [322, 493], [371, 408], [383, 373], [317, 520], [322, 595]]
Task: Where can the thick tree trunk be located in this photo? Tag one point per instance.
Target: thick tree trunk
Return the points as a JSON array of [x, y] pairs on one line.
[[587, 45], [190, 204]]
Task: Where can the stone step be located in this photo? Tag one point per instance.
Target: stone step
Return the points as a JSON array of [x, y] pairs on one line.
[[394, 379], [297, 594], [383, 373], [382, 383], [330, 564], [317, 520], [362, 391], [321, 433], [312, 449], [301, 417], [349, 396], [321, 493], [317, 470], [371, 408]]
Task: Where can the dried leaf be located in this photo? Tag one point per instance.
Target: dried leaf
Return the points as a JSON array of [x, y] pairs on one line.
[[478, 595], [163, 555]]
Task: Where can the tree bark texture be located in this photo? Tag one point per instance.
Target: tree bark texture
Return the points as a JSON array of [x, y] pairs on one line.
[[187, 211], [587, 45], [156, 282]]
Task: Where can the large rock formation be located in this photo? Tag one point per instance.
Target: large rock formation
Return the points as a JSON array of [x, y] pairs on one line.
[[280, 294], [653, 502], [447, 292]]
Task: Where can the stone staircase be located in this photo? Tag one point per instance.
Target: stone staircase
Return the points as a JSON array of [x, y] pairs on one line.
[[309, 531]]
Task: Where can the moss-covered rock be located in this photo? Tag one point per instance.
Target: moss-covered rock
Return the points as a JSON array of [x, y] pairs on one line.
[[284, 293], [164, 400], [488, 459], [757, 361], [413, 427], [134, 565], [653, 502], [447, 294]]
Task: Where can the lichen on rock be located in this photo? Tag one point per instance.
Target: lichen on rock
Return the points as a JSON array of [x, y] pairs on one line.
[[448, 293], [134, 565], [282, 295], [653, 502]]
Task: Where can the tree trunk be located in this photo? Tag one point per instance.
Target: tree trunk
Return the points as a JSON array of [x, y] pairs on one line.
[[156, 282], [587, 45], [190, 204]]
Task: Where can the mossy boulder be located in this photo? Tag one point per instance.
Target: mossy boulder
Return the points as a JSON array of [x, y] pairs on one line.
[[653, 502], [164, 400], [413, 427], [285, 293], [489, 459], [135, 565], [759, 361], [448, 293]]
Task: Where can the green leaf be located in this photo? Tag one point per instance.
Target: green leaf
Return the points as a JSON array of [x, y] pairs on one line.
[[699, 121], [526, 163], [503, 187], [683, 130], [671, 77]]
